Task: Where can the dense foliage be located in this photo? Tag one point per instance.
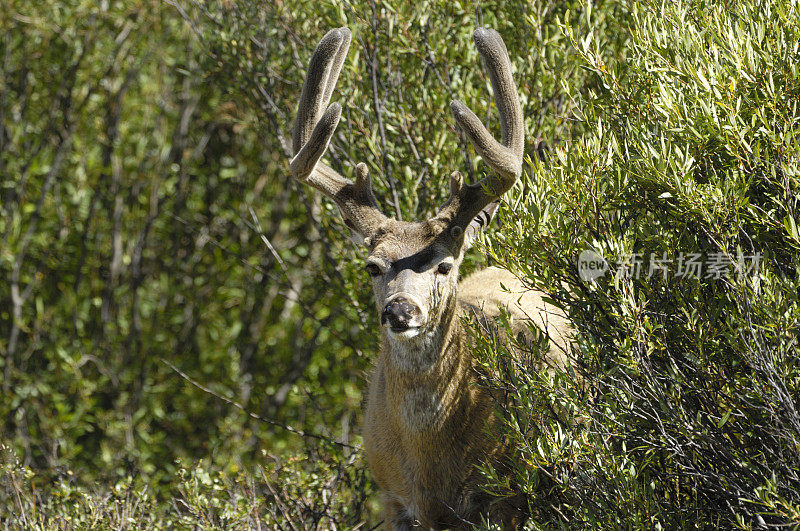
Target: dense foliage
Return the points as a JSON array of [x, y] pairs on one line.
[[181, 325], [687, 412]]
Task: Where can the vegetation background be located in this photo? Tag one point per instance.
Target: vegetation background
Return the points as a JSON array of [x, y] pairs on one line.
[[181, 325]]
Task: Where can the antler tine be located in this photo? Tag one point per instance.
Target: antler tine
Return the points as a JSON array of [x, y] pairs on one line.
[[323, 72], [312, 133], [506, 158]]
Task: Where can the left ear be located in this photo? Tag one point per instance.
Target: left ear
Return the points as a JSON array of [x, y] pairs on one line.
[[478, 223]]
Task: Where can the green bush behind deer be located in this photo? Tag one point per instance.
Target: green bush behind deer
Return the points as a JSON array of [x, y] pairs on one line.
[[144, 151]]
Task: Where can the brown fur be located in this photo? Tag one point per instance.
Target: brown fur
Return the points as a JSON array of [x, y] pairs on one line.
[[425, 432]]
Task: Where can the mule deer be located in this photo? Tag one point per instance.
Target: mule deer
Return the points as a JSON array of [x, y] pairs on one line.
[[425, 416]]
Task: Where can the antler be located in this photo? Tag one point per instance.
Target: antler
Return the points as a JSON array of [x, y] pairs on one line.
[[467, 201], [313, 130]]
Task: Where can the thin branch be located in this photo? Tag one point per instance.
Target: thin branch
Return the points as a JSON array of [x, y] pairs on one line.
[[378, 106], [271, 422]]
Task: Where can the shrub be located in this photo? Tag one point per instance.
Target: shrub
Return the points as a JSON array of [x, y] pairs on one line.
[[147, 217], [686, 414]]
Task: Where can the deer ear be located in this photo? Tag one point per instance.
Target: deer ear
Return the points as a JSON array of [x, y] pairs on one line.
[[478, 223]]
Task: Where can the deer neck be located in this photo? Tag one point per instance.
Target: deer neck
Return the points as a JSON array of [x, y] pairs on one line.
[[427, 379]]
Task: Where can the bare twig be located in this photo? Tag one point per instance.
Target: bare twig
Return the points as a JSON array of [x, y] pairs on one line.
[[271, 422]]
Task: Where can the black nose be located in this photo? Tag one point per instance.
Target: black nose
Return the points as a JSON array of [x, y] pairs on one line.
[[399, 314]]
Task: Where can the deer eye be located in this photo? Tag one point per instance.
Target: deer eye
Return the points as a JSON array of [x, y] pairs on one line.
[[373, 270], [444, 268]]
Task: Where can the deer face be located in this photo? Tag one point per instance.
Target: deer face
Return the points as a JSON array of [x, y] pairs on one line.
[[414, 270]]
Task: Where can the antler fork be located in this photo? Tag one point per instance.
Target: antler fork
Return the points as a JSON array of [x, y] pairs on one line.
[[312, 133], [467, 201], [315, 126]]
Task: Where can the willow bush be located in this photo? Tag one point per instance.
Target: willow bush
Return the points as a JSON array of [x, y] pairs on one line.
[[163, 273], [681, 407]]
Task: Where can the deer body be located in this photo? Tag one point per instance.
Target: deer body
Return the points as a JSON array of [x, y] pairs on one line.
[[426, 423], [426, 420]]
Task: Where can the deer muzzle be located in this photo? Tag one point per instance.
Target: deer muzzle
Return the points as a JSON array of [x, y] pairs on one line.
[[402, 315]]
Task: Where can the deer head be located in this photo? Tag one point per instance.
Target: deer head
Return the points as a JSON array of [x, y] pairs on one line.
[[414, 266]]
